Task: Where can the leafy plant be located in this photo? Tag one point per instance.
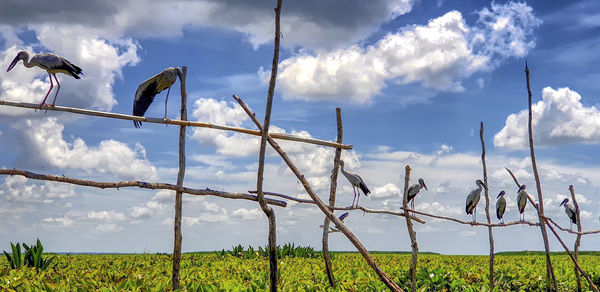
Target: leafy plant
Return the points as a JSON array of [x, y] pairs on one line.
[[15, 260], [32, 258]]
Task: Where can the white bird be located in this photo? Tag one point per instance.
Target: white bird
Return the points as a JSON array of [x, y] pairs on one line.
[[52, 64], [150, 88], [522, 201], [570, 211], [501, 206], [356, 181], [473, 199], [413, 190]]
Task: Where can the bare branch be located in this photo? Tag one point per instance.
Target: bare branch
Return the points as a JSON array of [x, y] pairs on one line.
[[139, 184], [411, 233], [578, 239], [487, 208]]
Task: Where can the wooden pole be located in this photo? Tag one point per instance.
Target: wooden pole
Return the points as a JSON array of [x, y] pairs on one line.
[[261, 158], [324, 208], [279, 136], [487, 207], [412, 234], [180, 177], [551, 280], [332, 191], [578, 239]]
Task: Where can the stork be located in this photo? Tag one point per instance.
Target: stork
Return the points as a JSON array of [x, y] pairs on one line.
[[570, 211], [500, 206], [413, 190], [146, 91], [522, 201], [52, 64], [357, 182], [473, 199], [341, 218]]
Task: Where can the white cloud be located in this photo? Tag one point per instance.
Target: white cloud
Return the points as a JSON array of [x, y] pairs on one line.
[[65, 221], [108, 227], [43, 144], [387, 191], [248, 214], [438, 55], [559, 118], [105, 215], [16, 189]]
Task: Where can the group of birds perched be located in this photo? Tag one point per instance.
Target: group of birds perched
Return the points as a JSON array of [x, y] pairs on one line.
[[148, 89], [144, 95]]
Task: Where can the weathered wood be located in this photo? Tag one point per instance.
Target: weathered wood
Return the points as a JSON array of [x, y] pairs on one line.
[[332, 191], [411, 233], [180, 177], [487, 207], [324, 208], [139, 184], [279, 136], [578, 239]]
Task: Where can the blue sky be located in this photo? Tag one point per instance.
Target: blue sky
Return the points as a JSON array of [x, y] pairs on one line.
[[413, 79]]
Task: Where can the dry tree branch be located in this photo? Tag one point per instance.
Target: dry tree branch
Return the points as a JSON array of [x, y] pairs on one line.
[[139, 184], [495, 225], [549, 271], [332, 191], [180, 176], [261, 157], [487, 208], [324, 208], [279, 136], [548, 219], [578, 239], [412, 234], [366, 210]]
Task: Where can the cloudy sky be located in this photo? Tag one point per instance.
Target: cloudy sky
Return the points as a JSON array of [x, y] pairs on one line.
[[413, 78]]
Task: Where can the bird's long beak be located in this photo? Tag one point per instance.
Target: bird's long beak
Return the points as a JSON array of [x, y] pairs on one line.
[[425, 186], [521, 188], [500, 194], [13, 63], [562, 203]]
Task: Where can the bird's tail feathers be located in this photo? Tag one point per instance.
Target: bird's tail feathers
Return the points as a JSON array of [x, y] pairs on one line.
[[364, 188]]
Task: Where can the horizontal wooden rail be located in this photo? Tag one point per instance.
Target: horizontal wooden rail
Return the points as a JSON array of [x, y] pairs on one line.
[[279, 136], [139, 184]]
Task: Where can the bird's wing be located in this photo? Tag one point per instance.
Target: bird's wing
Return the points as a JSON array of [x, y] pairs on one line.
[[363, 185], [52, 62], [144, 96], [500, 207], [412, 192], [470, 198]]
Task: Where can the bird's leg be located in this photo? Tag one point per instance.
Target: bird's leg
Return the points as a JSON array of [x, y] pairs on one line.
[[353, 189], [412, 206], [167, 98], [51, 85], [57, 89]]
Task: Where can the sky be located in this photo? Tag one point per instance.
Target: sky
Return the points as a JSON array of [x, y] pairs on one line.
[[414, 80]]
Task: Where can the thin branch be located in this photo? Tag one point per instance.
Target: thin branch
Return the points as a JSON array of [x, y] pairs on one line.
[[180, 177], [139, 184], [361, 208], [332, 192], [578, 239], [495, 225], [412, 234], [487, 207], [280, 136], [324, 208]]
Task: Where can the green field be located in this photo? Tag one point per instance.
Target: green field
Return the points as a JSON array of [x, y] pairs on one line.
[[209, 272]]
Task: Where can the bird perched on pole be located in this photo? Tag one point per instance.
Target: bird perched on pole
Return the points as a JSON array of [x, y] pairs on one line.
[[522, 201], [52, 64], [473, 199], [500, 206], [357, 182], [413, 190], [570, 211], [146, 92]]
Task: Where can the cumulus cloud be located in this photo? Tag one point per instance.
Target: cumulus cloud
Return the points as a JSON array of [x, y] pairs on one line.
[[65, 221], [105, 216], [559, 118], [387, 191], [16, 189], [438, 55], [43, 144], [247, 214]]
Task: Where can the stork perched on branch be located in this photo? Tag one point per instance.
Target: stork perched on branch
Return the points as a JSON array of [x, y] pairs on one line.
[[357, 182], [413, 190], [150, 88], [52, 64], [501, 206], [522, 201], [570, 211], [473, 199]]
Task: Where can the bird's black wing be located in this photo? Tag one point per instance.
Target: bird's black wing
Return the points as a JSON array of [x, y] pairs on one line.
[[364, 188], [143, 98], [71, 68]]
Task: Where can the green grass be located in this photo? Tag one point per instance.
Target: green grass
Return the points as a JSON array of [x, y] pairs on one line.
[[209, 272]]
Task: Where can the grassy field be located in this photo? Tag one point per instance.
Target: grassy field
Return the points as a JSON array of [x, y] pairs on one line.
[[209, 272]]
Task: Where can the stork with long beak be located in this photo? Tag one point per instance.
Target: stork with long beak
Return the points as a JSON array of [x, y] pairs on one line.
[[570, 211]]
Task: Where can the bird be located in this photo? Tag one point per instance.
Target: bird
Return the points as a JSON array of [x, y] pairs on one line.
[[52, 64], [413, 190], [522, 201], [145, 93], [500, 206], [570, 211], [341, 218], [473, 199], [356, 181]]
